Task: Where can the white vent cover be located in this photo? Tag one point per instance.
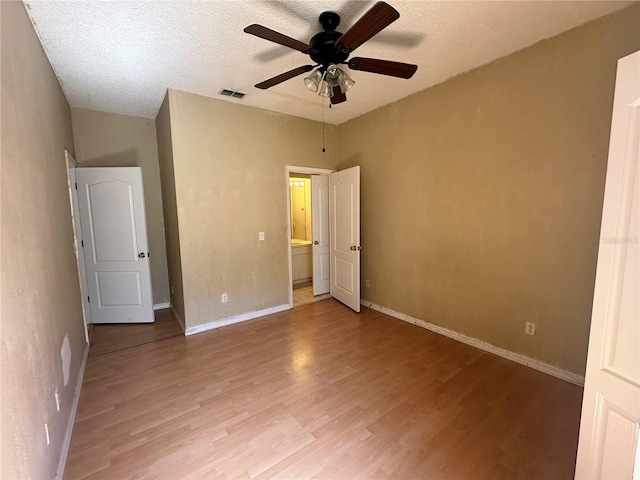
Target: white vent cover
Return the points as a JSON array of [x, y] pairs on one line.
[[231, 93]]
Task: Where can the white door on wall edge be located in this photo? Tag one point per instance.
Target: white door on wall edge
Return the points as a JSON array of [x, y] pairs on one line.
[[114, 237], [344, 208], [608, 443], [320, 234]]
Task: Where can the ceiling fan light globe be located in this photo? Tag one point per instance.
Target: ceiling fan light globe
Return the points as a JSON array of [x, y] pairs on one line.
[[312, 82], [346, 82], [325, 90]]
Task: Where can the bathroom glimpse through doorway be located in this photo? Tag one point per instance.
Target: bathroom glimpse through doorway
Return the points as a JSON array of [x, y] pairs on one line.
[[308, 235]]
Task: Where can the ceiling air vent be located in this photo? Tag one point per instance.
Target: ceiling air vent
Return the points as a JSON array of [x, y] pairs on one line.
[[231, 93]]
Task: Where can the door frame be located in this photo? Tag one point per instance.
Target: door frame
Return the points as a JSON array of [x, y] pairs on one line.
[[72, 164], [288, 170]]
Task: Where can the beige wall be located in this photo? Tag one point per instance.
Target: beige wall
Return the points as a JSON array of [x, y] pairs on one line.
[[482, 196], [110, 140], [165, 154], [40, 289], [229, 163]]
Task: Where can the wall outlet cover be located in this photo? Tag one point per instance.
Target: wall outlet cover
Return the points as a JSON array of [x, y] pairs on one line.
[[530, 328], [65, 356]]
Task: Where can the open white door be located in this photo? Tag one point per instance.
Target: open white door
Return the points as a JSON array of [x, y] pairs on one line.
[[611, 405], [320, 234], [344, 208], [114, 234]]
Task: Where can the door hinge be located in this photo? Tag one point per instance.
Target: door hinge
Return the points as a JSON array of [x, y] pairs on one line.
[[76, 185], [88, 299], [82, 243]]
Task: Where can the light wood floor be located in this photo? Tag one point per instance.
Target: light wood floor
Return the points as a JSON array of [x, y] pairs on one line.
[[320, 392], [109, 338], [303, 294]]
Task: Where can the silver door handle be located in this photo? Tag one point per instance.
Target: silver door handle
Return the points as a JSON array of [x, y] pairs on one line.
[[353, 247], [141, 255]]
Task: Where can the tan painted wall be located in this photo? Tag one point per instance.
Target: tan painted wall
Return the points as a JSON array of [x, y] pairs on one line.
[[40, 288], [110, 140], [230, 180], [172, 234], [482, 196]]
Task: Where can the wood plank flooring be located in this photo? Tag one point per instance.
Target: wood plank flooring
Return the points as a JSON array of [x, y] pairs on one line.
[[303, 294], [108, 338], [320, 392]]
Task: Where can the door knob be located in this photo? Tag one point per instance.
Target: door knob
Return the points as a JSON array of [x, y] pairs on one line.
[[353, 247], [141, 255], [316, 242]]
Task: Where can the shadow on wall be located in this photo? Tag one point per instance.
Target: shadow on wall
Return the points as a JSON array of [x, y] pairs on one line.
[[352, 161], [127, 158]]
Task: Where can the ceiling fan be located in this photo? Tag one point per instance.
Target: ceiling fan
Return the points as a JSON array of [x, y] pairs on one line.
[[330, 48]]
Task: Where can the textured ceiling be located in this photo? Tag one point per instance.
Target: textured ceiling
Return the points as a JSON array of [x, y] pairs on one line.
[[121, 56]]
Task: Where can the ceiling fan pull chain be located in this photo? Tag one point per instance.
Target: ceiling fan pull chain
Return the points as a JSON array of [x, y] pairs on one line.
[[322, 106]]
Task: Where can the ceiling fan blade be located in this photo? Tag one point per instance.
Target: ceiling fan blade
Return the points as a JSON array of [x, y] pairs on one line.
[[380, 16], [273, 36], [383, 67], [338, 96], [284, 76]]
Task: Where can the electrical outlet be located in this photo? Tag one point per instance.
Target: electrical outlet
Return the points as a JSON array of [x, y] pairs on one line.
[[65, 356], [57, 394], [46, 432], [261, 236], [530, 328], [224, 297], [367, 283]]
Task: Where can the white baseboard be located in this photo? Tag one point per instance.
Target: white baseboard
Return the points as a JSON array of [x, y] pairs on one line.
[[178, 318], [236, 319], [161, 306], [66, 442], [487, 347]]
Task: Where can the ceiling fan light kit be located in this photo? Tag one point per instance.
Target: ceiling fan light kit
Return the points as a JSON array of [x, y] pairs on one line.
[[331, 48], [323, 81]]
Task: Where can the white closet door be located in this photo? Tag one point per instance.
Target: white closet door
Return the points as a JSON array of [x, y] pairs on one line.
[[114, 233]]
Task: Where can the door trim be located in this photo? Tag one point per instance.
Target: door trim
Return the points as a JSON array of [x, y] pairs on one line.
[[72, 164], [288, 170]]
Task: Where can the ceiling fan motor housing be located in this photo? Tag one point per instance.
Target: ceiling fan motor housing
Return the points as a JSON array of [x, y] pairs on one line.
[[323, 44]]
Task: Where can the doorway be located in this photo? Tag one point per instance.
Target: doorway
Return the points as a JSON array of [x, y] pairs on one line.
[[306, 284], [335, 233]]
